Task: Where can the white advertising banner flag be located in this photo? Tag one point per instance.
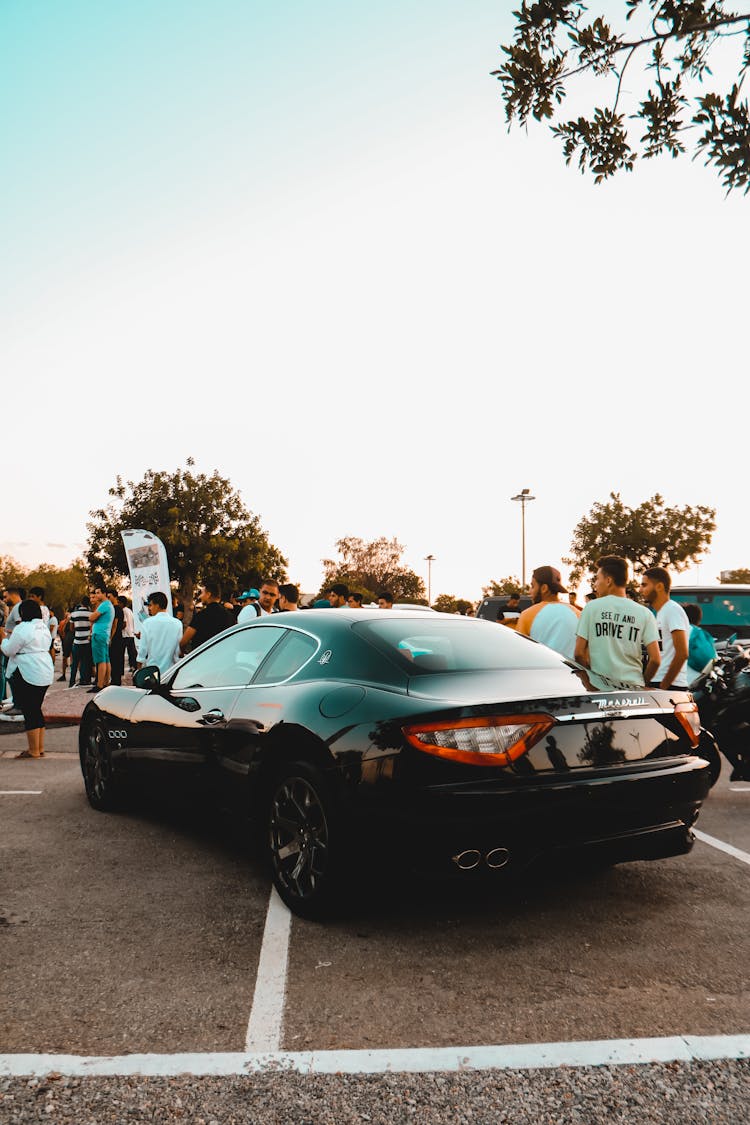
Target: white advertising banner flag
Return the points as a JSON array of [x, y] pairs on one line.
[[149, 570]]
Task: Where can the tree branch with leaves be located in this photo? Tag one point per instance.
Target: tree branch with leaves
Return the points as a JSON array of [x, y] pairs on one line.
[[556, 41]]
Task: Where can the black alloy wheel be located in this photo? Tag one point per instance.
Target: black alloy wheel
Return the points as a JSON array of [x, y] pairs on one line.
[[304, 845], [102, 788]]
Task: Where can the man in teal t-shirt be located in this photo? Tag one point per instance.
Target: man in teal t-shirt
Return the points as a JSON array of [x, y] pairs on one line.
[[613, 630], [102, 620]]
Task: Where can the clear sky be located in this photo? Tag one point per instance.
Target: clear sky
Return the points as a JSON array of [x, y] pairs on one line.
[[296, 242]]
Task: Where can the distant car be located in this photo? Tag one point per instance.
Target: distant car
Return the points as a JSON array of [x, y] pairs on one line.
[[725, 608], [491, 608], [430, 740]]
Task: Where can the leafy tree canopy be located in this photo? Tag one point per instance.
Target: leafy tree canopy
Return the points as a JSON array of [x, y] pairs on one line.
[[12, 573], [649, 535], [505, 586], [62, 585], [741, 575], [208, 532], [447, 603], [672, 42], [373, 566]]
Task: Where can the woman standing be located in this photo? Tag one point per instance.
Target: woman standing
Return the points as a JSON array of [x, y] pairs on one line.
[[30, 671]]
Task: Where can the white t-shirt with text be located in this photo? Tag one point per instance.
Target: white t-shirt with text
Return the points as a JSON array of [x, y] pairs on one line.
[[617, 629]]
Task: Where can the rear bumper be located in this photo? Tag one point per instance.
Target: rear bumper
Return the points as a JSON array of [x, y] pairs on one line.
[[644, 815]]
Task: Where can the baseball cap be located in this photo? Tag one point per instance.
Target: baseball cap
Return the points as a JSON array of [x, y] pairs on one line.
[[248, 594], [550, 576]]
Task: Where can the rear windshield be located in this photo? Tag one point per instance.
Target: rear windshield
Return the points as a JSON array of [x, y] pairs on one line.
[[728, 612], [446, 644]]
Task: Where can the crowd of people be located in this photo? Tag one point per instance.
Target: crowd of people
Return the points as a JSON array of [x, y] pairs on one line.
[[628, 643], [99, 632], [652, 642]]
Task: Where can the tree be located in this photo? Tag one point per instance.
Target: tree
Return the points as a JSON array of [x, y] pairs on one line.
[[741, 575], [63, 586], [373, 566], [649, 535], [11, 572], [557, 41], [447, 603], [505, 586], [204, 525]]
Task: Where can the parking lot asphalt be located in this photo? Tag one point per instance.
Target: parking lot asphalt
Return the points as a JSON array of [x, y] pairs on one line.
[[141, 932]]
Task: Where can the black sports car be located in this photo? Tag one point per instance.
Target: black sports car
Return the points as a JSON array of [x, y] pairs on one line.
[[447, 740]]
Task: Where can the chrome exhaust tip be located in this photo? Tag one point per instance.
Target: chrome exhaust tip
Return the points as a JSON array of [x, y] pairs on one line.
[[497, 858], [468, 860]]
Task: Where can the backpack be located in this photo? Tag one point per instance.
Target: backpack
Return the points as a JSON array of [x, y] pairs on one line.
[[700, 649]]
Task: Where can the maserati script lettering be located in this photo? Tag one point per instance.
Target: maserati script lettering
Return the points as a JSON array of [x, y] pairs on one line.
[[634, 701]]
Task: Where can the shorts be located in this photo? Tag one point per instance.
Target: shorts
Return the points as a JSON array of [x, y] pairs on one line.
[[99, 649]]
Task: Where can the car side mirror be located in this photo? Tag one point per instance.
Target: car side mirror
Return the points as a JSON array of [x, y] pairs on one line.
[[148, 678]]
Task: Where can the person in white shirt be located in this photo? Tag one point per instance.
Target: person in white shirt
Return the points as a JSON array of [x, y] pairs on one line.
[[267, 597], [30, 670], [161, 634], [673, 626], [128, 632]]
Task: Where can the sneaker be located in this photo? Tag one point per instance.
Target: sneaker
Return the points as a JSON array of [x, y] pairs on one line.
[[61, 679], [12, 716], [73, 685], [94, 690]]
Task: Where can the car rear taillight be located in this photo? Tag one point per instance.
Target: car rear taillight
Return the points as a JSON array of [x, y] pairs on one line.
[[688, 717], [496, 741]]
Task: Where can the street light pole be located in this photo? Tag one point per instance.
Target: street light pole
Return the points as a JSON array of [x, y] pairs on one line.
[[429, 559], [524, 496]]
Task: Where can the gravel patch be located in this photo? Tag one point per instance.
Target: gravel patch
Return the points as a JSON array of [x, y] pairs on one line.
[[714, 1093]]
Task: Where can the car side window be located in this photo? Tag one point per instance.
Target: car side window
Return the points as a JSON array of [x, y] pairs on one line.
[[231, 662], [287, 658]]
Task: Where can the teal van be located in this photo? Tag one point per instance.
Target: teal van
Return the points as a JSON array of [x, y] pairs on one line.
[[725, 608]]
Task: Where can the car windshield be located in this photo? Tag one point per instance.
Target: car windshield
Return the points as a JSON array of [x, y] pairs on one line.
[[445, 644]]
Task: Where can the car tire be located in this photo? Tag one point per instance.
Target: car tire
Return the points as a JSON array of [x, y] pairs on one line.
[[305, 840], [103, 789]]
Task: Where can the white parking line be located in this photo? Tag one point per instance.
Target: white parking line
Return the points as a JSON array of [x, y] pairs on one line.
[[20, 792], [722, 847], [264, 1027], [522, 1056]]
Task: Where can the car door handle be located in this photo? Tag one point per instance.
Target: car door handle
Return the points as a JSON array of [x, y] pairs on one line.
[[211, 718]]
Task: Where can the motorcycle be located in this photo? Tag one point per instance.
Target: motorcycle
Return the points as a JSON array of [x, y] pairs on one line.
[[722, 693]]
